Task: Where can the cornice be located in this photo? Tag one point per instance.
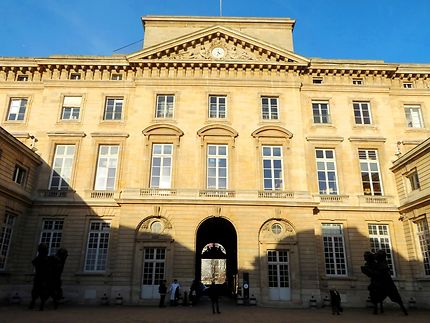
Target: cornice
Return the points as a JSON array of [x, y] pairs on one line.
[[414, 153]]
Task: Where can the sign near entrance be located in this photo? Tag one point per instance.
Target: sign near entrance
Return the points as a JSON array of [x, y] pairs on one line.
[[213, 270]]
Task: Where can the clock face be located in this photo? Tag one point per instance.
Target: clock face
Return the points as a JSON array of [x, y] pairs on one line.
[[218, 52]]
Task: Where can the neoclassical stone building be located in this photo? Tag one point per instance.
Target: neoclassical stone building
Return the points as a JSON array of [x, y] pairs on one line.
[[214, 153]]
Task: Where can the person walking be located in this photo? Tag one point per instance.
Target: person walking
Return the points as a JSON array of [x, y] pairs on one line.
[[214, 296], [162, 289], [174, 292]]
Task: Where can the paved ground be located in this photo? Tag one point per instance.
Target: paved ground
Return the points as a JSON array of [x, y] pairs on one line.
[[200, 314]]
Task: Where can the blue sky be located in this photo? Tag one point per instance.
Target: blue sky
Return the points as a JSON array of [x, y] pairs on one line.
[[389, 30]]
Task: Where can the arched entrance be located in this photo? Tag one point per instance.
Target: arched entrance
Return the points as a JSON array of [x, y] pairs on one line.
[[216, 253]]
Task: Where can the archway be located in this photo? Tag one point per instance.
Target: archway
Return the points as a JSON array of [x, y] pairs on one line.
[[216, 253]]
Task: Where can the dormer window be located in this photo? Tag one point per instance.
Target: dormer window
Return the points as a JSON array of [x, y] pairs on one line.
[[317, 80], [414, 182], [116, 77], [22, 78], [75, 76], [357, 81]]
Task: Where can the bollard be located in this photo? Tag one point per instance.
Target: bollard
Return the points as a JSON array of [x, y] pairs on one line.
[[326, 301], [369, 303], [118, 299], [105, 299], [15, 299], [412, 303], [313, 302]]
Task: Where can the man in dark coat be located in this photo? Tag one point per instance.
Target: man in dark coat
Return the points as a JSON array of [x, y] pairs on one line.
[[214, 296], [162, 289]]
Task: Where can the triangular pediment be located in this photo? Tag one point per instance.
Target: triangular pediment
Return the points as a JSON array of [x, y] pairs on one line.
[[218, 44]]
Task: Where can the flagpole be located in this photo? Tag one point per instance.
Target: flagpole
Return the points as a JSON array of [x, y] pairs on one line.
[[220, 7]]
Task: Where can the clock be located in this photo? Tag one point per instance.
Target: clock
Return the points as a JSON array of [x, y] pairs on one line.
[[218, 52]]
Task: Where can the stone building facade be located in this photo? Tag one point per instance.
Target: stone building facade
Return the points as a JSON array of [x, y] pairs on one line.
[[215, 153]]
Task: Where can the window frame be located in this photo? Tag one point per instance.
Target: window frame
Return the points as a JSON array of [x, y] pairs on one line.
[[423, 238], [273, 112], [88, 265], [340, 258], [53, 236], [163, 156], [410, 120], [152, 262], [114, 108], [369, 162], [163, 112], [72, 107], [272, 158], [218, 111], [379, 238], [6, 235], [217, 168], [275, 268], [96, 176], [20, 175], [54, 162], [18, 113], [320, 117], [325, 160], [360, 118]]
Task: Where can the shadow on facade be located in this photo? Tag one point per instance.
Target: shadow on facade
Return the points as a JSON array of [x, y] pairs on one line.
[[298, 268]]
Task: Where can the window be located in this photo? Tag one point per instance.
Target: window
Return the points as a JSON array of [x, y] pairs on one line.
[[113, 109], [71, 108], [161, 166], [22, 78], [19, 175], [370, 175], [61, 174], [153, 265], [408, 85], [116, 77], [414, 182], [52, 232], [165, 106], [414, 118], [106, 167], [269, 108], [277, 261], [317, 80], [380, 240], [97, 247], [272, 168], [75, 76], [424, 240], [362, 113], [326, 171], [357, 81], [334, 249], [17, 107], [276, 228], [321, 112], [5, 238], [217, 106], [217, 167]]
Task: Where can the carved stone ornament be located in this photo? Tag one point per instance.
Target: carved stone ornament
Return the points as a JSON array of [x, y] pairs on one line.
[[154, 228], [278, 231], [219, 50]]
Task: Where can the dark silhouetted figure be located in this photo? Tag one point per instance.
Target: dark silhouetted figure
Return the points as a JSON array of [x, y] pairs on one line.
[[381, 283], [335, 301], [214, 296], [162, 289], [47, 279], [56, 265]]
